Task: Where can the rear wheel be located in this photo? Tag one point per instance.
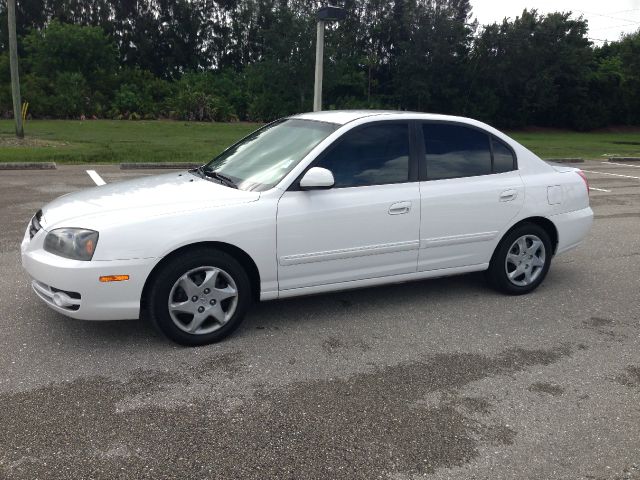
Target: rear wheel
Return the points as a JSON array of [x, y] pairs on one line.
[[199, 297], [521, 261]]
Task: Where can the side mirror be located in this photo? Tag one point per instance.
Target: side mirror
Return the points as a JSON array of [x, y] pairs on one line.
[[317, 178]]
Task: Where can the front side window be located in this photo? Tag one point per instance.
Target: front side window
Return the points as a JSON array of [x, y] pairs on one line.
[[371, 155], [454, 151], [261, 160]]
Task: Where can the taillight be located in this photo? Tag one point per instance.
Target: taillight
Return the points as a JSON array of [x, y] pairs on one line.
[[586, 182]]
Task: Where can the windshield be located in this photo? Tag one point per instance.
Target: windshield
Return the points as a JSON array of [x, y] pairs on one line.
[[259, 161]]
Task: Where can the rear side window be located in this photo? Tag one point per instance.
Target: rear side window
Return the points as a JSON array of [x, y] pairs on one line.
[[503, 158], [372, 155], [454, 151]]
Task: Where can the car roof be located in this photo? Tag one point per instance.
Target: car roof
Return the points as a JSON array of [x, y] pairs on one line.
[[342, 117]]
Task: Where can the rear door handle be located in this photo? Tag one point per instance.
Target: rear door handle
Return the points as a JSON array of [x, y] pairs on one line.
[[399, 208], [508, 195]]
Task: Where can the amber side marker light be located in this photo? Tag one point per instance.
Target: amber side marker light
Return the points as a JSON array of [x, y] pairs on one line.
[[114, 278]]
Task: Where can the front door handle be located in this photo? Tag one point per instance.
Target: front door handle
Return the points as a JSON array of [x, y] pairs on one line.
[[399, 208], [508, 195]]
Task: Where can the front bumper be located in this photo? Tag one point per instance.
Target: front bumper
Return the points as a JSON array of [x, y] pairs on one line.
[[76, 284]]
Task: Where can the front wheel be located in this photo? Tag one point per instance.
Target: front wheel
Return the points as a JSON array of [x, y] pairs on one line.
[[521, 261], [199, 297]]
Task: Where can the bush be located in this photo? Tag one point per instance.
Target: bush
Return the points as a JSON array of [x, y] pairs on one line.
[[128, 99], [140, 92], [194, 100], [70, 71], [67, 96]]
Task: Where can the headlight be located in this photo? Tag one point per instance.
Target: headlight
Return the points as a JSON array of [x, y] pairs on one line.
[[73, 243]]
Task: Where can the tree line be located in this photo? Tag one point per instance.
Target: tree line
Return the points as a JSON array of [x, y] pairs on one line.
[[227, 60]]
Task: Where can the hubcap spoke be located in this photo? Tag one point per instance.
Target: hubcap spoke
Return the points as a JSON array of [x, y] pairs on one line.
[[516, 273], [197, 321], [535, 245], [537, 262], [183, 307], [210, 278], [221, 294], [522, 245], [188, 285], [217, 313], [513, 258]]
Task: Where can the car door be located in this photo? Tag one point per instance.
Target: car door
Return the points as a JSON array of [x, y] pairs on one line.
[[367, 225], [471, 190]]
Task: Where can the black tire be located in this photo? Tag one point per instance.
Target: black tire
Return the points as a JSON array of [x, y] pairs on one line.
[[498, 276], [162, 286]]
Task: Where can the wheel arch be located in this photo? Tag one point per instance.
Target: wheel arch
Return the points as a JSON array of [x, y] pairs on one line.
[[544, 223], [240, 255]]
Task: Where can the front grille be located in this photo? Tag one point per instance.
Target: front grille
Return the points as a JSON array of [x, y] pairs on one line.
[[35, 226]]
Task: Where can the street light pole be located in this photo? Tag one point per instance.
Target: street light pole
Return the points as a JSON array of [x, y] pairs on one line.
[[325, 14], [13, 61], [317, 88]]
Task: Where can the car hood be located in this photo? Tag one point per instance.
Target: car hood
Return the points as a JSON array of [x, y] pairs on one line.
[[149, 196]]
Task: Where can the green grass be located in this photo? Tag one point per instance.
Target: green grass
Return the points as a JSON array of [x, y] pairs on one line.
[[98, 141], [590, 145], [105, 141]]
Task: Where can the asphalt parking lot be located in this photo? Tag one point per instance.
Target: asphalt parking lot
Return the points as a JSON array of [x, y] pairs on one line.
[[435, 379]]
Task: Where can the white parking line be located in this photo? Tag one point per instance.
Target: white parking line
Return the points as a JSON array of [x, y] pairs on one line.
[[612, 174], [621, 164], [599, 189], [95, 177]]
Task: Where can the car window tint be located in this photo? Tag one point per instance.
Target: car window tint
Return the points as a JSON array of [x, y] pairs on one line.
[[372, 155], [503, 160], [455, 151]]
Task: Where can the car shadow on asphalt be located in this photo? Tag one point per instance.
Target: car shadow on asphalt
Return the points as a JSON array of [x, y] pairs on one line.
[[370, 302], [313, 311]]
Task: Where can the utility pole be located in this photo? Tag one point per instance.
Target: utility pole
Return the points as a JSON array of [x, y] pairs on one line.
[[325, 14], [13, 60], [317, 86]]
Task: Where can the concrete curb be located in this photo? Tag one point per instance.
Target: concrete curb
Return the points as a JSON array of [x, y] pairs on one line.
[[565, 160], [158, 165], [624, 159], [28, 166]]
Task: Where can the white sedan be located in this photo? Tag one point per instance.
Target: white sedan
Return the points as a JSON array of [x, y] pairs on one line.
[[307, 204]]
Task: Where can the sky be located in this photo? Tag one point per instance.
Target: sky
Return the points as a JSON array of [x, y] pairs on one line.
[[607, 20]]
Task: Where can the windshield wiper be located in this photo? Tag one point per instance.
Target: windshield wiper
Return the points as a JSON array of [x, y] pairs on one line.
[[219, 176], [199, 171]]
